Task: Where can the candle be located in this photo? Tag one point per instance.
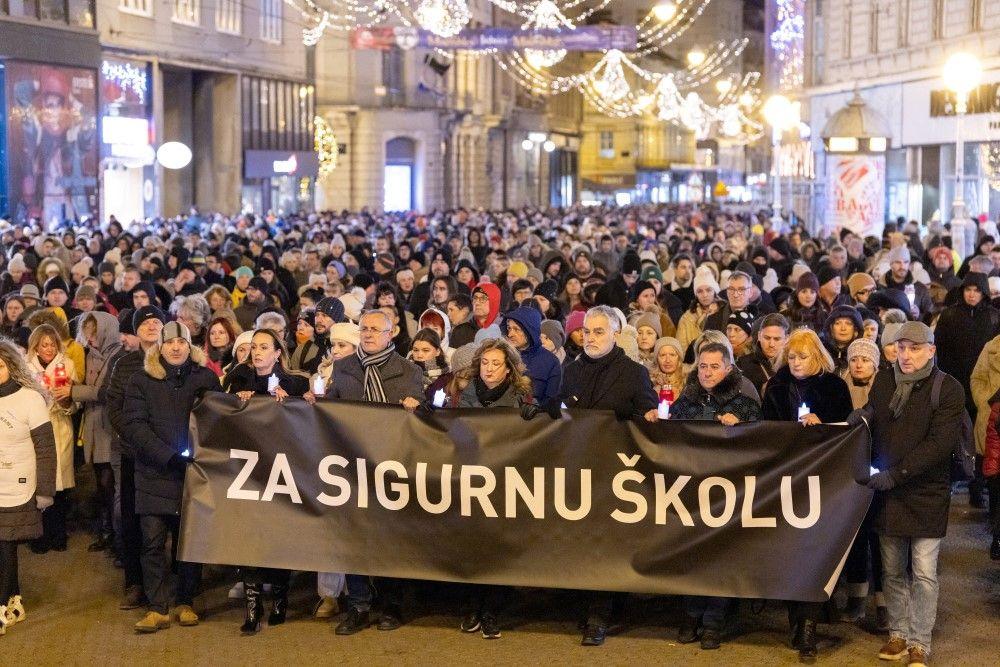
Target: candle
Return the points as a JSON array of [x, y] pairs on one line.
[[663, 410], [272, 383], [803, 410], [440, 398], [319, 385]]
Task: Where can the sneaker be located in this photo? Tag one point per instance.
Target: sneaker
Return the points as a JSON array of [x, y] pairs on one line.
[[236, 592], [918, 657], [186, 616], [133, 599], [15, 610], [327, 607], [490, 626], [894, 649], [152, 622], [470, 622]]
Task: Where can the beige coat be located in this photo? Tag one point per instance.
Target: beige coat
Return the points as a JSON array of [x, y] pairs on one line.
[[62, 421], [691, 325], [984, 382]]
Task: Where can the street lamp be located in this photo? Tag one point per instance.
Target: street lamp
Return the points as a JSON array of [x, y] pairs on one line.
[[781, 114], [962, 74]]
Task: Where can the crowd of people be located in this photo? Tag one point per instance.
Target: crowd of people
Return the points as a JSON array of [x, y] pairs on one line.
[[113, 332]]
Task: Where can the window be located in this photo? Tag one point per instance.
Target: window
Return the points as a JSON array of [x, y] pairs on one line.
[[227, 16], [80, 13], [52, 10], [607, 149], [140, 7], [187, 12], [270, 21]]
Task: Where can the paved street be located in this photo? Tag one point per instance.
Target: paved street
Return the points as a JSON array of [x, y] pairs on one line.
[[73, 618]]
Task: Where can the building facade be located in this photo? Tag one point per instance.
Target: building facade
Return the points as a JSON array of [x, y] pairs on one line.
[[893, 53]]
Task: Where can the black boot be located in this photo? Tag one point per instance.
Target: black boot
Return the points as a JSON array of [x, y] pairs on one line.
[[279, 593], [254, 611], [805, 641]]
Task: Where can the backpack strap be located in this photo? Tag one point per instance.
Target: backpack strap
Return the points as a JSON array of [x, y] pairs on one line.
[[936, 389]]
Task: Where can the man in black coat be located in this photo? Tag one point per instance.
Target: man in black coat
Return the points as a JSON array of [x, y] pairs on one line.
[[603, 378], [376, 374], [156, 425], [914, 412], [141, 331], [615, 292]]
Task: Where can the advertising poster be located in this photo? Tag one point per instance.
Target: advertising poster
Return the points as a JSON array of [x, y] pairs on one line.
[[856, 189], [51, 141]]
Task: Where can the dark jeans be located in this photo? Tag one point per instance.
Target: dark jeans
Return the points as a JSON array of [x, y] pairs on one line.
[[863, 551], [265, 575], [156, 569], [54, 522], [711, 611], [130, 526], [105, 497], [485, 599], [360, 591], [804, 611], [605, 608], [8, 571]]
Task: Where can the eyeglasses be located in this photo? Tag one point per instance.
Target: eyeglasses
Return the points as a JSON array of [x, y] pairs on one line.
[[481, 298], [373, 330], [738, 290]]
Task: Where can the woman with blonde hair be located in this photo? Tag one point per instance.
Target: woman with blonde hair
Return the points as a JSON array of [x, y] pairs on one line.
[[46, 353], [667, 368], [806, 389], [29, 450]]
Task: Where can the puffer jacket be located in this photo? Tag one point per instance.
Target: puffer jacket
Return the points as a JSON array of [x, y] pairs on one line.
[[25, 412], [725, 398], [156, 425], [95, 431], [983, 384], [542, 366]]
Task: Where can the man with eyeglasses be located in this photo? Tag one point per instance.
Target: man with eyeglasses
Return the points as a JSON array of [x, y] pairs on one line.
[[738, 296], [860, 286], [376, 373]]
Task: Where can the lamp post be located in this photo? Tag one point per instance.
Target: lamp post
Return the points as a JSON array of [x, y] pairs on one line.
[[780, 114], [962, 74]]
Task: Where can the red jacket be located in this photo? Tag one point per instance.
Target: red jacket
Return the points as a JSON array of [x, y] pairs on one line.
[[991, 459]]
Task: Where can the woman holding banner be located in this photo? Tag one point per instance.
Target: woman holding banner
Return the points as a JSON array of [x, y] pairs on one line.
[[265, 375], [495, 379], [806, 389]]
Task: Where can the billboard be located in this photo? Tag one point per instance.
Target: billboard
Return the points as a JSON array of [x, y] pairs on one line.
[[856, 188], [51, 141]]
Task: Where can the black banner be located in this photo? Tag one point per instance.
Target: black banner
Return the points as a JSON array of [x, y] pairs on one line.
[[764, 510]]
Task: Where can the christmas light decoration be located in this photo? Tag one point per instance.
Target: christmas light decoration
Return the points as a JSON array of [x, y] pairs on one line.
[[128, 77], [325, 144], [443, 17], [788, 43], [545, 15]]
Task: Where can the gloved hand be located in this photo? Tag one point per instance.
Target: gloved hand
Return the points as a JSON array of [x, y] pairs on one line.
[[529, 411], [856, 417], [179, 462], [43, 502], [882, 481], [424, 410], [553, 408]]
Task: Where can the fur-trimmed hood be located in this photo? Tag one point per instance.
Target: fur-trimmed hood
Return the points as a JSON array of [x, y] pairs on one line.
[[723, 392], [153, 365]]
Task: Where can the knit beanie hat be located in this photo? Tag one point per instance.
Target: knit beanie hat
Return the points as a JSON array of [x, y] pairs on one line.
[[17, 263], [807, 280], [554, 331], [347, 332], [54, 283], [332, 307], [743, 320], [146, 313], [86, 292], [125, 322], [651, 271], [859, 281], [862, 347], [548, 289], [704, 276], [574, 321], [899, 254], [172, 330], [668, 341], [462, 357], [650, 320], [826, 273]]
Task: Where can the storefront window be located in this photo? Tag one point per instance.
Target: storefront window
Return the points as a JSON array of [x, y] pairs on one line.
[[81, 13], [23, 8], [52, 10]]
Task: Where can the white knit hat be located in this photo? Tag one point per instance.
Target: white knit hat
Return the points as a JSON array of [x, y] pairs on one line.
[[703, 276]]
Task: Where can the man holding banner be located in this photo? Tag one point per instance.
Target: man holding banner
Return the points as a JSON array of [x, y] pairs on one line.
[[603, 378], [375, 374]]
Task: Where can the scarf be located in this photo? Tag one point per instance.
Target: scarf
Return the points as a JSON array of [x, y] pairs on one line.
[[431, 371], [904, 385], [374, 393], [486, 396]]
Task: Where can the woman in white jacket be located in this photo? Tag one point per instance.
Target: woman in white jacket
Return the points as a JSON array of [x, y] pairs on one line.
[[27, 478], [45, 356]]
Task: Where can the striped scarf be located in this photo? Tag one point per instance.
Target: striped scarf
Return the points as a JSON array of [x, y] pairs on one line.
[[374, 392]]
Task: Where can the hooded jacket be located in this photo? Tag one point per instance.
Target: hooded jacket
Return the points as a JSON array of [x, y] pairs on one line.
[[542, 366], [95, 431], [156, 417], [984, 383], [839, 354], [493, 294]]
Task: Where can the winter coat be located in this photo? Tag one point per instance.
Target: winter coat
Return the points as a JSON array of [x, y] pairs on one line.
[[916, 448], [691, 325], [469, 399], [27, 441], [725, 398], [991, 455], [757, 368], [859, 392], [245, 378], [961, 334], [717, 322], [156, 424], [542, 366], [95, 430], [246, 314], [62, 420], [124, 365], [400, 379], [922, 295], [613, 382], [983, 384], [825, 394], [306, 357]]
